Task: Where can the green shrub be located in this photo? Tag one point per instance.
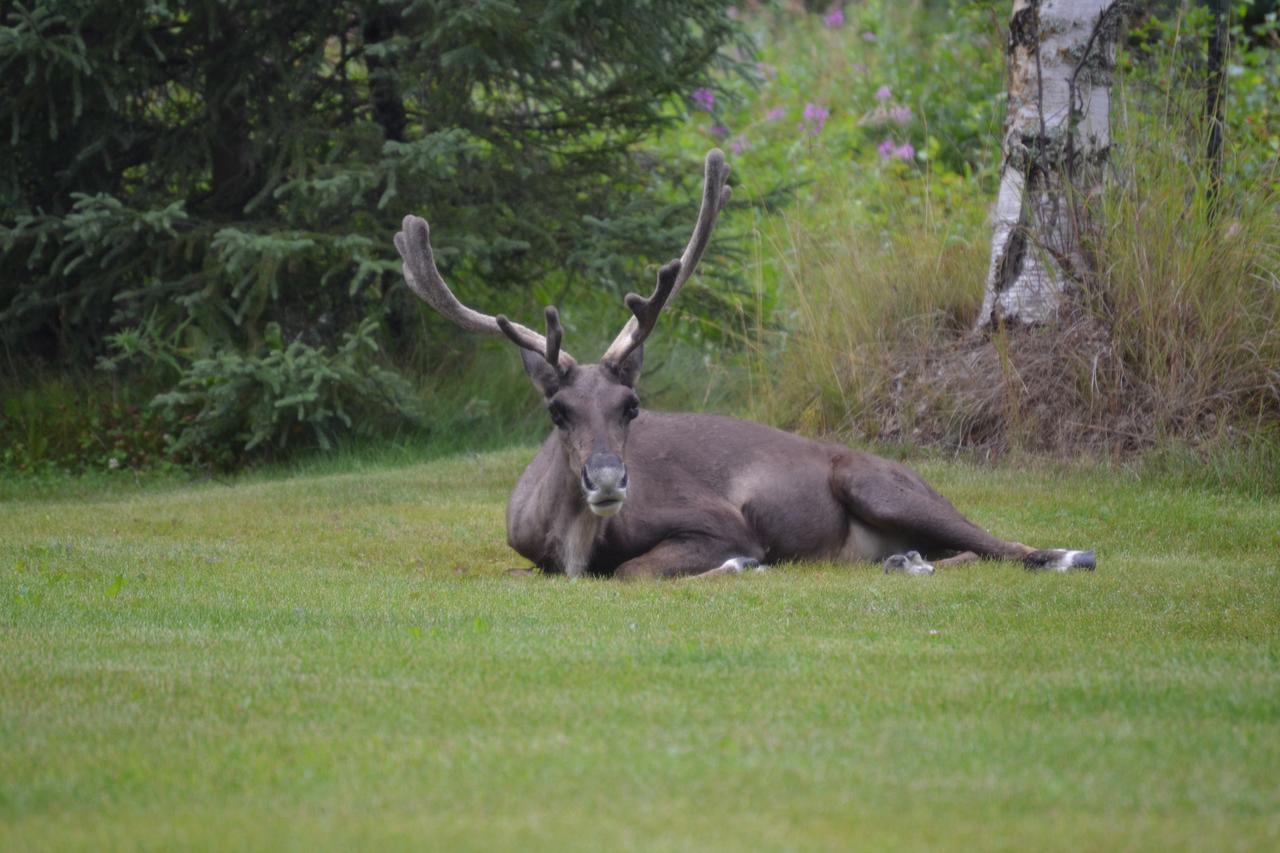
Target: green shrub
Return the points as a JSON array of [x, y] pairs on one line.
[[230, 406]]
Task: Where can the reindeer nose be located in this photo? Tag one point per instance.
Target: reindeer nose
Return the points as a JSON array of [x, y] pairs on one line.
[[604, 472]]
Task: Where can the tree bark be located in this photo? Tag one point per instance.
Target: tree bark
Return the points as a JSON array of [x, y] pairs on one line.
[[1215, 105], [384, 88], [1061, 58], [233, 173]]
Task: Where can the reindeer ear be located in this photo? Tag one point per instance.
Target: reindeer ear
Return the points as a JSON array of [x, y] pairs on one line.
[[629, 370], [544, 377]]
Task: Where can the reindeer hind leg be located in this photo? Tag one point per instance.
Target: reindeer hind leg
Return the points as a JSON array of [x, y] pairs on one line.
[[895, 500], [892, 498]]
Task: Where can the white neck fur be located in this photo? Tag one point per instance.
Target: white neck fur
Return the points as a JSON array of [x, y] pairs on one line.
[[575, 547]]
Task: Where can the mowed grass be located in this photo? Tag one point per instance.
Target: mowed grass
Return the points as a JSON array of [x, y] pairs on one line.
[[339, 660]]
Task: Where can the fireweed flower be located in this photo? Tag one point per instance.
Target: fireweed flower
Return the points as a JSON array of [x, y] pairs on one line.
[[900, 114], [704, 98], [719, 131], [814, 112], [739, 143], [868, 36], [775, 114], [890, 150], [833, 19], [882, 94], [815, 117]]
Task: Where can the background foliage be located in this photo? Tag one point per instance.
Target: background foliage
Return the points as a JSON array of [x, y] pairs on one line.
[[196, 238], [202, 192], [870, 282]]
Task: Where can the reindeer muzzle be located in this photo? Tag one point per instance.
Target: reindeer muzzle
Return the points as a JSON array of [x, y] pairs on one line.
[[604, 483]]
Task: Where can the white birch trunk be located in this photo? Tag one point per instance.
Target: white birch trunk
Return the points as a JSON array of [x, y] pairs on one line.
[[1061, 58]]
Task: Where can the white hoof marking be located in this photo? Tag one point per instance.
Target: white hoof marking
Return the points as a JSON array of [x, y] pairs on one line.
[[910, 563], [738, 565], [1063, 561]]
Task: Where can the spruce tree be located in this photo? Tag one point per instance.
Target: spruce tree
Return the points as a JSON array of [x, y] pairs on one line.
[[201, 182]]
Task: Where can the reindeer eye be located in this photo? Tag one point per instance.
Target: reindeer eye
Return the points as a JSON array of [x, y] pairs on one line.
[[558, 416], [632, 411]]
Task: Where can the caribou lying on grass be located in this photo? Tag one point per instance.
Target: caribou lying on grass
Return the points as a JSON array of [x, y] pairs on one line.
[[711, 495]]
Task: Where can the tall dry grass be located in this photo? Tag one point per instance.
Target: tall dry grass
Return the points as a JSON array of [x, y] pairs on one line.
[[1174, 342], [1189, 291]]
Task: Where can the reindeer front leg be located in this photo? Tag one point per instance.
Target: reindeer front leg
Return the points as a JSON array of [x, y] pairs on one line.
[[692, 558]]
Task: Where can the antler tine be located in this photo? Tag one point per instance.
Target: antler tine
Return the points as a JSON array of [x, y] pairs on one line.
[[550, 349], [646, 311], [554, 333], [715, 195], [424, 279]]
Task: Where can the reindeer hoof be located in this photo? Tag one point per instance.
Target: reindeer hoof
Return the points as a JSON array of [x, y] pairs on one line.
[[910, 563], [1060, 560]]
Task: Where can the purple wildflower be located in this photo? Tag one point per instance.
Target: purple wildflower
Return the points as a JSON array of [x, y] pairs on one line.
[[833, 19], [900, 114], [704, 98], [739, 144], [732, 13], [815, 117], [890, 150], [882, 94], [775, 114], [719, 131], [868, 36]]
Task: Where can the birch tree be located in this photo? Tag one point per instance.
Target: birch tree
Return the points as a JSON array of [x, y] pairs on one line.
[[1061, 59]]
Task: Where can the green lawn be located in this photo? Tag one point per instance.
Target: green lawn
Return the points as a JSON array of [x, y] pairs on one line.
[[339, 660]]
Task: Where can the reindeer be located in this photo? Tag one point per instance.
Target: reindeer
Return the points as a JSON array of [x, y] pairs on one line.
[[711, 495]]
